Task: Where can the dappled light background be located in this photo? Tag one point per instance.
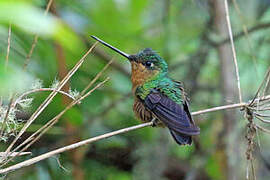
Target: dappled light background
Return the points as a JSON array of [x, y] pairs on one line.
[[192, 36]]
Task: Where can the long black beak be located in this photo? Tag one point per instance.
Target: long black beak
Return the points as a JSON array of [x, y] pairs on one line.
[[113, 48]]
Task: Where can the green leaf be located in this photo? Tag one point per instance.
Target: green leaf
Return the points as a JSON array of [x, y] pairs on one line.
[[27, 17], [74, 116]]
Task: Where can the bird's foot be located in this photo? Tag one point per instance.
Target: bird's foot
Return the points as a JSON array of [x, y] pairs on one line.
[[155, 122]]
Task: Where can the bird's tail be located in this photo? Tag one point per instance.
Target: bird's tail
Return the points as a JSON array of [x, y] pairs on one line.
[[180, 138]]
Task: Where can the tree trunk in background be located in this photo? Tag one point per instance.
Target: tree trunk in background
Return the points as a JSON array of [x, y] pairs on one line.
[[226, 147], [76, 155]]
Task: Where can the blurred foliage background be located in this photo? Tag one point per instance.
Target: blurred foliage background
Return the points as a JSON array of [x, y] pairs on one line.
[[191, 35]]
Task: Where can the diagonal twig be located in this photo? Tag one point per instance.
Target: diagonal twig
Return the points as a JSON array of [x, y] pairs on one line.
[[39, 90], [29, 55], [233, 49], [262, 129], [8, 45], [6, 117], [267, 83], [265, 79], [50, 97], [253, 29], [3, 154], [96, 77], [246, 33]]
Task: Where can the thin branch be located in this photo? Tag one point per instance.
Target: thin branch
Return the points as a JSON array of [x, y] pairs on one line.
[[259, 89], [48, 7], [267, 83], [60, 165], [50, 97], [29, 55], [242, 33], [8, 45], [70, 147], [261, 115], [245, 30], [262, 120], [262, 129], [6, 117], [97, 76], [233, 49], [3, 154], [219, 108], [39, 90]]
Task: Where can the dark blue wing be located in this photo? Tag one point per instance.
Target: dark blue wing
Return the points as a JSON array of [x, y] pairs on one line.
[[176, 117]]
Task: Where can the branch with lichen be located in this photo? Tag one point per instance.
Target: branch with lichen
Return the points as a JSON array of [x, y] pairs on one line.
[[249, 104], [9, 125]]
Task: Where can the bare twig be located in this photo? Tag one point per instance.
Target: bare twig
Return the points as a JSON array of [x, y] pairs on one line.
[[39, 90], [263, 129], [245, 30], [3, 154], [267, 82], [29, 55], [60, 165], [48, 7], [253, 29], [8, 45], [97, 76], [261, 119], [259, 89], [70, 147], [6, 117], [233, 50], [219, 108]]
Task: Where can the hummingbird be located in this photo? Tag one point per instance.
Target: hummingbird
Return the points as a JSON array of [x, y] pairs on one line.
[[157, 97]]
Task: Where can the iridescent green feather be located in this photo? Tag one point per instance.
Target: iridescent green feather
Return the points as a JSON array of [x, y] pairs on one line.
[[160, 81], [166, 86]]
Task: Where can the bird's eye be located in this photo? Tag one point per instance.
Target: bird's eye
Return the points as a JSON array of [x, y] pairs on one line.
[[149, 64]]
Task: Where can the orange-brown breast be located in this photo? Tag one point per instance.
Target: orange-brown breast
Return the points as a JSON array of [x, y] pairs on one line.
[[140, 74]]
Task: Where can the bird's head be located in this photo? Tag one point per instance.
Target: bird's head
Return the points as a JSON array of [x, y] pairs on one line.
[[145, 65], [149, 61]]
